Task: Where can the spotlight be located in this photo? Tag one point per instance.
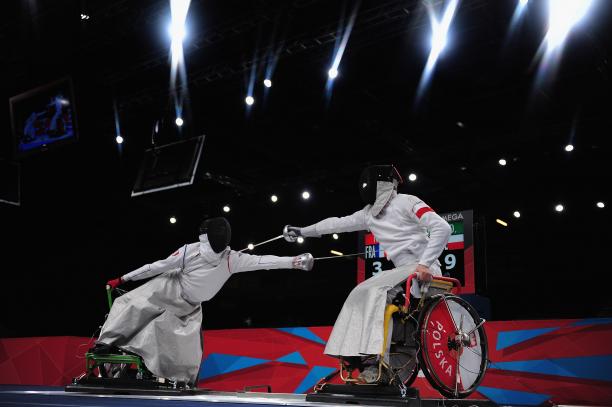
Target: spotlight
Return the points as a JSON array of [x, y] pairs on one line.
[[559, 208], [300, 239], [562, 17], [412, 177], [172, 220], [569, 148], [502, 162], [517, 214], [600, 205], [501, 222], [249, 100], [460, 124], [335, 235], [523, 3], [179, 121], [119, 139], [84, 16], [226, 209], [305, 195], [337, 253], [274, 198], [267, 83], [250, 246], [332, 73]]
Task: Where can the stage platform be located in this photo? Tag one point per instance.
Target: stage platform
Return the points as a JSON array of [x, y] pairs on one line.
[[13, 396]]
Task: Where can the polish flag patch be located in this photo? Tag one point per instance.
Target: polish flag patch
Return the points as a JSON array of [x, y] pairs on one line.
[[422, 211]]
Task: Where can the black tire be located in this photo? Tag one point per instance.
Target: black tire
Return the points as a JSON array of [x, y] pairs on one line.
[[431, 322]]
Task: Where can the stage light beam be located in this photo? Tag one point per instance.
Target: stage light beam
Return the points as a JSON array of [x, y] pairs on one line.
[[439, 41]]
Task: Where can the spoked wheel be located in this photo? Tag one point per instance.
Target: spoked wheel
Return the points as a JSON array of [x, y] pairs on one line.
[[454, 348], [404, 366]]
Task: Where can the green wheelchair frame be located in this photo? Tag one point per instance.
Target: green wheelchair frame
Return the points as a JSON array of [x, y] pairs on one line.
[[93, 361]]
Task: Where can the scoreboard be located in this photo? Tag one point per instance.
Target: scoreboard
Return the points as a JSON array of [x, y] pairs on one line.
[[457, 259]]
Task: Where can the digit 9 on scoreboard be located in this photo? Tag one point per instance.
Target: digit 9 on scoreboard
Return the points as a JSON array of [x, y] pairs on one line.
[[457, 259]]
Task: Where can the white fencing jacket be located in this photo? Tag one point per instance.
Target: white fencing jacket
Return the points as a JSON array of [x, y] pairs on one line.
[[408, 230], [203, 271]]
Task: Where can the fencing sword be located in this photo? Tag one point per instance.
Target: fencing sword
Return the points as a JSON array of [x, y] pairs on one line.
[[252, 246], [339, 256]]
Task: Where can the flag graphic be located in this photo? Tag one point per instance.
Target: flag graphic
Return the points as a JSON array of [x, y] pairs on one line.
[[456, 241]]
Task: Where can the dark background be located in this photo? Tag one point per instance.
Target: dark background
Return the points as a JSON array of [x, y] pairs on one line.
[[77, 226]]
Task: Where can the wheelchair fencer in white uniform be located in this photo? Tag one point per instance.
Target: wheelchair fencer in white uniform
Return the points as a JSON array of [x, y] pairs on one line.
[[413, 237]]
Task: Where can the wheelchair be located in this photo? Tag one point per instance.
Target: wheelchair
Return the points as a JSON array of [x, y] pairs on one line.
[[439, 334], [109, 369]]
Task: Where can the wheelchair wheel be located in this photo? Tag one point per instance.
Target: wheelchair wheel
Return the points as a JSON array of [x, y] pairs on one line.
[[404, 367], [454, 348]]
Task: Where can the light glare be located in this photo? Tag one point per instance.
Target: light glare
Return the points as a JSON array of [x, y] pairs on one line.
[[300, 239], [562, 17], [119, 140], [172, 220], [274, 198], [249, 100], [412, 177], [226, 209], [517, 214], [332, 73], [601, 205], [267, 83], [559, 208], [251, 246], [569, 148], [335, 236], [501, 222], [306, 195], [337, 253], [179, 121], [502, 162]]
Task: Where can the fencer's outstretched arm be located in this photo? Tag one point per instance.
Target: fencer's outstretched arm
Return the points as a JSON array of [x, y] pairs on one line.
[[350, 223], [173, 261], [239, 262], [439, 231]]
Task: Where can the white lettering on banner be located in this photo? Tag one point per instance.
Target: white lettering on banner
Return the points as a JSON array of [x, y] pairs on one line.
[[449, 371], [452, 216], [370, 252]]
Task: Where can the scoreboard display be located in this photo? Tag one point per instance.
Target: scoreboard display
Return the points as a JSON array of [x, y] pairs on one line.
[[457, 259]]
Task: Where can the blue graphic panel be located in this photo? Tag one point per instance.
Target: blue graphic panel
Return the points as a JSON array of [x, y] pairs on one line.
[[313, 377], [294, 357], [513, 397], [219, 363], [303, 333], [509, 338], [593, 321], [585, 367]]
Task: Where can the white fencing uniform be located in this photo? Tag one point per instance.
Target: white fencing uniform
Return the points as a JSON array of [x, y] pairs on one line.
[[411, 233], [161, 320]]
